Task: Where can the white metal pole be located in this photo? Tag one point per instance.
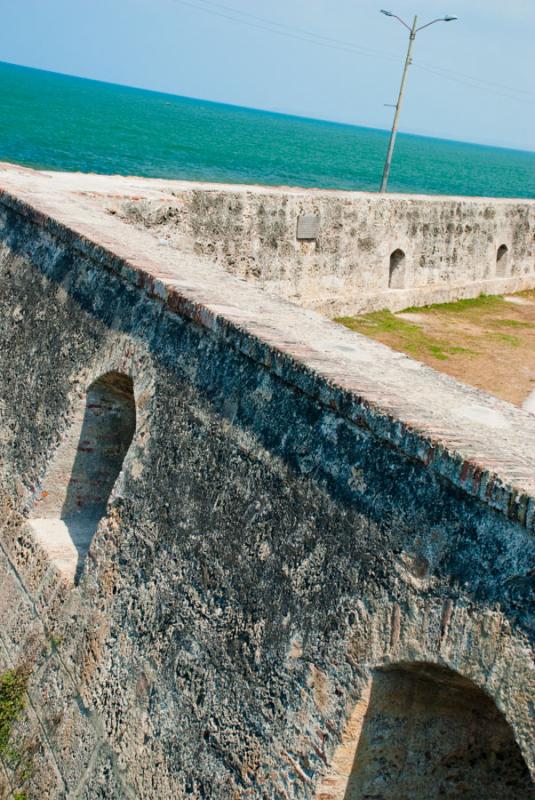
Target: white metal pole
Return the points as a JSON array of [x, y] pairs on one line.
[[408, 62]]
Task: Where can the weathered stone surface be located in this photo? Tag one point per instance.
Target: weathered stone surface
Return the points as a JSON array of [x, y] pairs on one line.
[[300, 511], [372, 251]]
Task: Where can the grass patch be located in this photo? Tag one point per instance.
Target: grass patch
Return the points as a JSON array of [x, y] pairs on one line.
[[407, 336], [17, 756], [12, 702], [378, 322], [507, 338], [485, 302], [511, 323], [529, 294]]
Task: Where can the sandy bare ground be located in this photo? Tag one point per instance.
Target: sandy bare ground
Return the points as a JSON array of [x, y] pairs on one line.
[[488, 342]]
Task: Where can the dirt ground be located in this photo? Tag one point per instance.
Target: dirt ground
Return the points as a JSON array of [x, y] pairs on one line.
[[488, 342]]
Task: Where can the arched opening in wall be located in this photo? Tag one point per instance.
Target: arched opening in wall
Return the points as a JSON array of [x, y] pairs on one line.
[[426, 732], [396, 279], [76, 489], [502, 257]]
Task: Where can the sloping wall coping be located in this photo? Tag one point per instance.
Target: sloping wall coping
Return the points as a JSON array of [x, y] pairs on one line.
[[480, 444]]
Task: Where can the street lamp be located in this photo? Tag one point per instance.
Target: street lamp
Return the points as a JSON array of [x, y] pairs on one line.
[[408, 61]]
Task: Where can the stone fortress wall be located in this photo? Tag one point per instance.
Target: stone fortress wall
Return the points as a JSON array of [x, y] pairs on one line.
[[344, 253], [244, 553]]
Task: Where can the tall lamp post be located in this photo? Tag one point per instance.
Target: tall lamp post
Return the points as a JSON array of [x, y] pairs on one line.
[[408, 61]]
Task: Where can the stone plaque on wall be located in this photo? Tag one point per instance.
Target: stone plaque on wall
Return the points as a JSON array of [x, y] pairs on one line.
[[308, 226]]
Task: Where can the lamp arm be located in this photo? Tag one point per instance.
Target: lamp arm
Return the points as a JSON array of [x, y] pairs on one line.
[[440, 19], [402, 22]]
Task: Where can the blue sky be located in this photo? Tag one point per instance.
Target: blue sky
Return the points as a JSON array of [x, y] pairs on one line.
[[472, 79]]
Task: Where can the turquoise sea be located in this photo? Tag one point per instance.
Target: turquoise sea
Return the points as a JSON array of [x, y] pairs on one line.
[[54, 121]]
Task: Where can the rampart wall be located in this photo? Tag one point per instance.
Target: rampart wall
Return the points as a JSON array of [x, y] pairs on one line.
[[312, 576], [364, 252]]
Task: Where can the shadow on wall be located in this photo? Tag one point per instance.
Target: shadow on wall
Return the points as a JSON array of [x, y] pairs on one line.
[[83, 472], [428, 733]]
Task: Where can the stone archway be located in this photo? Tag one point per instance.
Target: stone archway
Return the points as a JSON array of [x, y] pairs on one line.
[[502, 258], [396, 278], [423, 732]]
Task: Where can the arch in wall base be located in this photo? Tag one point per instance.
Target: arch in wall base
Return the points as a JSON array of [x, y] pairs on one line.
[[76, 489], [421, 731], [502, 260], [396, 275]]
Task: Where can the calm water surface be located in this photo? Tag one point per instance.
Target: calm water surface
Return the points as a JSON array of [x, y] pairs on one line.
[[54, 121]]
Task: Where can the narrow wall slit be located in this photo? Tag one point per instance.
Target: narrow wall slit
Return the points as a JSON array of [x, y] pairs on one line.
[[426, 732], [83, 472], [396, 278]]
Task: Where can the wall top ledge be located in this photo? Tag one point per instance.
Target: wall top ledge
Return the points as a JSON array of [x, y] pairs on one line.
[[484, 446], [153, 188]]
